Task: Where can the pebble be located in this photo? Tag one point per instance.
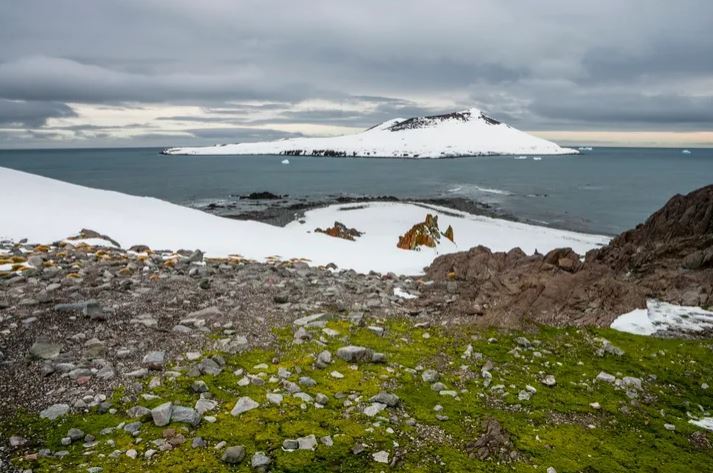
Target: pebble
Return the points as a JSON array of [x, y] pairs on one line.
[[244, 404], [233, 455]]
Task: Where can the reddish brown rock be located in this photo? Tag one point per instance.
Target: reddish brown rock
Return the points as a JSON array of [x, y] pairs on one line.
[[339, 230], [670, 257]]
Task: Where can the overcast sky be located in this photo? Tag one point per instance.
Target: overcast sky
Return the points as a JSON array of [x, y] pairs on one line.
[[160, 73]]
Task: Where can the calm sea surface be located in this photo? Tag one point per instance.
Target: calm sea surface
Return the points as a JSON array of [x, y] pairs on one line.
[[605, 190]]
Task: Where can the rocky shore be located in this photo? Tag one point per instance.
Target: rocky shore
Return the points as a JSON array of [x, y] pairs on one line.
[[150, 360]]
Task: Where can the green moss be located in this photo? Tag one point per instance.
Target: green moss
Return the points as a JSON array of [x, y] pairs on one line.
[[556, 427]]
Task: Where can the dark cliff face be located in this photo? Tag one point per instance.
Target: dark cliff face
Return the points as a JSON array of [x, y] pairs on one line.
[[669, 257]]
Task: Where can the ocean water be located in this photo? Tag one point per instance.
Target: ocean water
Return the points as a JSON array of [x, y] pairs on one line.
[[606, 190]]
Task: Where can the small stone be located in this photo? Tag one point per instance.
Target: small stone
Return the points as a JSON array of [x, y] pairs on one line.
[[290, 444], [336, 375], [391, 400], [131, 453], [17, 441], [321, 399], [75, 434], [199, 387], [233, 455], [162, 414], [551, 470], [45, 350], [354, 354], [244, 404], [138, 412], [606, 377], [55, 411], [381, 456], [595, 405], [307, 443], [132, 427], [669, 427], [374, 409], [549, 380], [260, 460], [327, 440], [154, 360], [186, 415], [198, 442], [274, 398], [204, 405], [307, 381], [430, 376]]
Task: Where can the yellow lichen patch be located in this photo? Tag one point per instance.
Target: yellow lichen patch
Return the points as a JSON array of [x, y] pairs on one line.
[[42, 248], [74, 276], [124, 272], [169, 263]]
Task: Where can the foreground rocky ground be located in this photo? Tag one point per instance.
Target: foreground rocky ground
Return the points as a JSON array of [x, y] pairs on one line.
[[137, 360], [145, 360]]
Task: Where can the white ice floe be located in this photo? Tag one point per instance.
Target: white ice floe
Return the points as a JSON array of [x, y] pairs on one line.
[[664, 317], [45, 210], [466, 133], [285, 161], [704, 423]]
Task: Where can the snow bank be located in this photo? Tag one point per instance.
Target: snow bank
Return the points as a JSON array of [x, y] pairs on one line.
[[466, 133], [664, 317], [45, 210]]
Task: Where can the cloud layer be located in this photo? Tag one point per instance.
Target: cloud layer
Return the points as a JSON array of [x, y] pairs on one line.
[[88, 72]]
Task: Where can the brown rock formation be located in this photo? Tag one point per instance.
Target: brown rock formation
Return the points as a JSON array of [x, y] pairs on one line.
[[425, 233], [669, 257], [339, 230]]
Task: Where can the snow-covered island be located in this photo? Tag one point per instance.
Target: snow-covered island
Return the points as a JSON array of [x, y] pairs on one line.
[[465, 133]]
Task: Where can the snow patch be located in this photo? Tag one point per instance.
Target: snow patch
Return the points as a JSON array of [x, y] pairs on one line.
[[59, 209], [664, 317]]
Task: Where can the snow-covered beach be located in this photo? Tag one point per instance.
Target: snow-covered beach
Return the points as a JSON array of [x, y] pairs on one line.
[[44, 210]]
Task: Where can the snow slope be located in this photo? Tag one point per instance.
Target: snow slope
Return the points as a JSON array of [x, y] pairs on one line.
[[45, 210], [466, 133]]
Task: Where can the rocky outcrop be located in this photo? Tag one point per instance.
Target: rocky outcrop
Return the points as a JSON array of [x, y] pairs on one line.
[[339, 230], [669, 257], [426, 233]]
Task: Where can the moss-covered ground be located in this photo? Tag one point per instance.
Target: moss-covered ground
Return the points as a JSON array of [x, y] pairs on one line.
[[557, 427]]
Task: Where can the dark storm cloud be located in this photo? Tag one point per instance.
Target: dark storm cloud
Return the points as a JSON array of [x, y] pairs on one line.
[[23, 114], [639, 64]]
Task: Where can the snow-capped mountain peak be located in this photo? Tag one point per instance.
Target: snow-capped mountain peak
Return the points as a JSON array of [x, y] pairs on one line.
[[464, 133]]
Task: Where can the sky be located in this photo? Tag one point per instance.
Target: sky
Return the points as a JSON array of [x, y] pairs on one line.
[[95, 73]]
